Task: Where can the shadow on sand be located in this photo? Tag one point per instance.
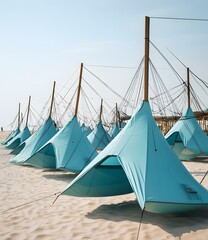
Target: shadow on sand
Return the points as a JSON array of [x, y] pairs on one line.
[[59, 175], [174, 224], [201, 159]]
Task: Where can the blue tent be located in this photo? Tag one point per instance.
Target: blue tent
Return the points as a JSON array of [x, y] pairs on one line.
[[69, 150], [99, 138], [87, 130], [187, 138], [115, 130], [140, 159], [11, 135], [35, 141], [123, 124], [18, 139]]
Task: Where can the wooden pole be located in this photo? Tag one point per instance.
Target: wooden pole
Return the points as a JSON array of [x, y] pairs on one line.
[[101, 109], [116, 112], [146, 58], [19, 117], [188, 88], [52, 98], [79, 89], [22, 117], [28, 110], [118, 117]]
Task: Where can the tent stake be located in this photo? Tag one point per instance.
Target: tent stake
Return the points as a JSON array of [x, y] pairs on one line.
[[203, 177]]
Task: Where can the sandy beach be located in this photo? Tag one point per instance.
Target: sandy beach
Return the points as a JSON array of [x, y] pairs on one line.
[[27, 210]]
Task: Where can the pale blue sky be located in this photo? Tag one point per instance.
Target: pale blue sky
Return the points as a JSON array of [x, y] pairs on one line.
[[46, 40]]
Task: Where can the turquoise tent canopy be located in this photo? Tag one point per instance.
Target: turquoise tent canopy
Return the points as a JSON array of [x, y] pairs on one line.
[[115, 130], [68, 150], [11, 135], [35, 141], [99, 138], [187, 138], [18, 139], [123, 124], [145, 163], [87, 130]]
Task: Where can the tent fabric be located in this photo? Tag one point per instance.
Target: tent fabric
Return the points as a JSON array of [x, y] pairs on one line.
[[159, 180], [123, 124], [18, 139], [115, 130], [35, 141], [11, 135], [87, 130], [187, 138], [18, 149], [68, 150], [99, 138]]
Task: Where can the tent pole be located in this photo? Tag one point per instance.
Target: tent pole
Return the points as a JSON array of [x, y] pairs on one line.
[[28, 110], [101, 109], [118, 117], [22, 117], [19, 117], [117, 113], [52, 99], [79, 88], [146, 58], [188, 88]]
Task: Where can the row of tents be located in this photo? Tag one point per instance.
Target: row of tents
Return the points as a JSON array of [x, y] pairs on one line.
[[120, 167], [186, 137], [138, 159], [52, 149]]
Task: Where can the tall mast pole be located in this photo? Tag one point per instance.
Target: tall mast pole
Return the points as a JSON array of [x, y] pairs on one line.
[[19, 117], [52, 99], [28, 110], [118, 116], [119, 119], [101, 109], [79, 89], [117, 113], [188, 88], [22, 117], [146, 58]]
